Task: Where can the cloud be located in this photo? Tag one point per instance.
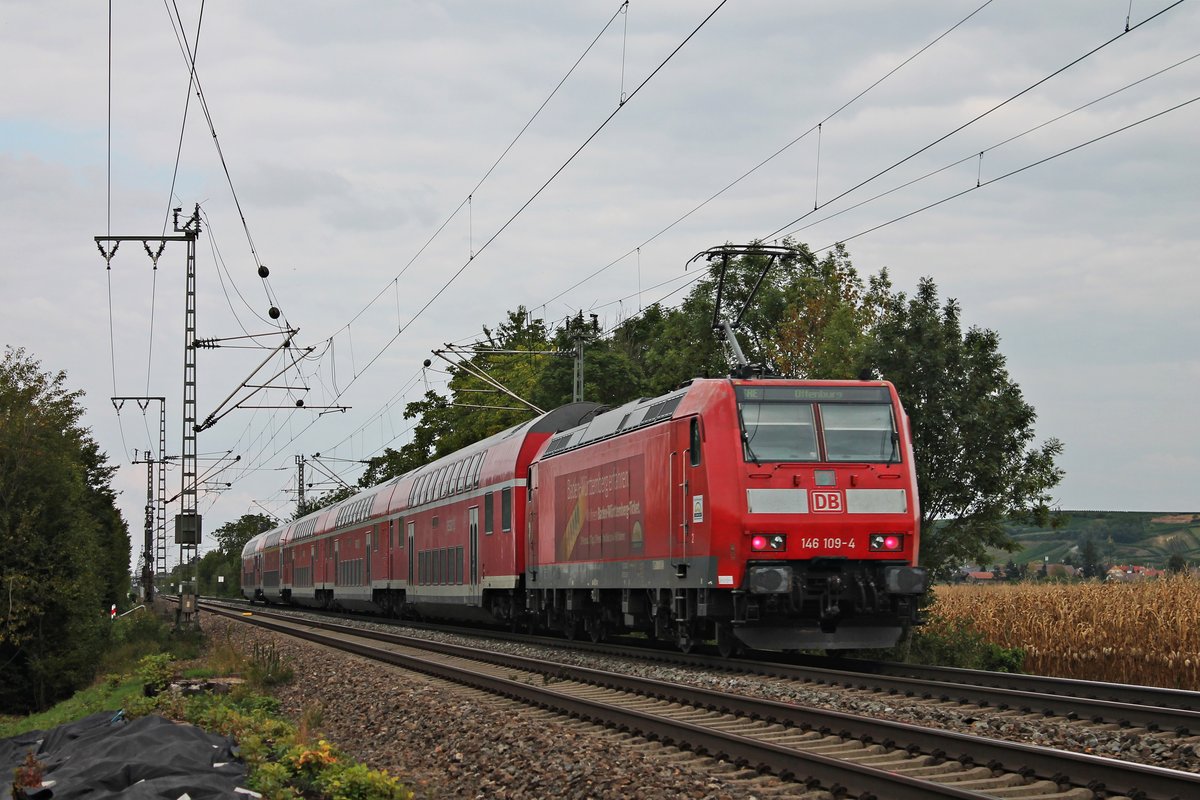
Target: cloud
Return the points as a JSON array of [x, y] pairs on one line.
[[351, 133]]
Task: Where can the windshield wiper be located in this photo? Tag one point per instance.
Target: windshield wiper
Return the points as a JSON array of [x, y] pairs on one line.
[[746, 439]]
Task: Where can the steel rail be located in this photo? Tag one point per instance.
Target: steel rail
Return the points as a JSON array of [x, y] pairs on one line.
[[1043, 695], [813, 769], [1079, 769], [1150, 707], [1098, 690]]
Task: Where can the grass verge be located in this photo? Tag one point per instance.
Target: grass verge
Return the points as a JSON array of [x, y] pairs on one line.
[[284, 760]]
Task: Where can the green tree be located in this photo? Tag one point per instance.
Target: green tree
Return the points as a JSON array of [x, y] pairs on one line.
[[829, 317], [63, 545], [215, 565], [972, 429], [232, 536], [610, 375], [226, 560], [1090, 556], [325, 499], [474, 409]]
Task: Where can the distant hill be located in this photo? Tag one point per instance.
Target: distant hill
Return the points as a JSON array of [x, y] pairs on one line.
[[1121, 537]]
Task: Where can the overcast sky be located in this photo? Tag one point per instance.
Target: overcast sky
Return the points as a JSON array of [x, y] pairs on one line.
[[351, 131]]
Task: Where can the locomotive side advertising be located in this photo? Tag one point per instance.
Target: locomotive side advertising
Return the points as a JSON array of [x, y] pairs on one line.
[[598, 511]]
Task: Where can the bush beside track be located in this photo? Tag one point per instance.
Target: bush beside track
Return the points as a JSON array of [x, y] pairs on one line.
[[147, 670]]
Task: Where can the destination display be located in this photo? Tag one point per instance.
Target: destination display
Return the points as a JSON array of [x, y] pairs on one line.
[[809, 394]]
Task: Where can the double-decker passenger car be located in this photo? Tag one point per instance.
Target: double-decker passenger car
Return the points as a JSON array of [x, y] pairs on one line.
[[444, 541]]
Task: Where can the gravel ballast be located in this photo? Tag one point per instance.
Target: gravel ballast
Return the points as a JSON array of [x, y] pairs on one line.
[[448, 741], [442, 740]]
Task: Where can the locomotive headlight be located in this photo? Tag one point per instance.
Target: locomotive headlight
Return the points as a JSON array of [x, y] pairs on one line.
[[768, 542], [906, 580], [770, 579], [885, 542]]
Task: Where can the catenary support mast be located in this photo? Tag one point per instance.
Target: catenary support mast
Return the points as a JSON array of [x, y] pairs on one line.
[[187, 521]]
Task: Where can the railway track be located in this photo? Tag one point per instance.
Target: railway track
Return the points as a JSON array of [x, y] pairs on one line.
[[1148, 707], [847, 755]]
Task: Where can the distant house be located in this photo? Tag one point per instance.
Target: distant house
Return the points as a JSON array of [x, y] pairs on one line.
[[979, 577], [1132, 572]]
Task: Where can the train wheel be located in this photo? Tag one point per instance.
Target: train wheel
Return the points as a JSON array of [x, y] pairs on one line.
[[689, 634], [596, 631], [727, 644], [571, 627]]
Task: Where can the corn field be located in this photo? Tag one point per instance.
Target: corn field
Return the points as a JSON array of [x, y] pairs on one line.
[[1145, 633]]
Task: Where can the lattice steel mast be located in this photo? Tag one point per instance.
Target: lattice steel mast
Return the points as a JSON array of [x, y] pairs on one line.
[[187, 521]]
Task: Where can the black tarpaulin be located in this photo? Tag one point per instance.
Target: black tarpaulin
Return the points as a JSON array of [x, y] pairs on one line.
[[104, 756]]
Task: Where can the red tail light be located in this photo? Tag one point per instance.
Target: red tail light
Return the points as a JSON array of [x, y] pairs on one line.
[[768, 543], [886, 542]]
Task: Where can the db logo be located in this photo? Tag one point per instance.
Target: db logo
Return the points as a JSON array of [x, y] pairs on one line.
[[826, 501]]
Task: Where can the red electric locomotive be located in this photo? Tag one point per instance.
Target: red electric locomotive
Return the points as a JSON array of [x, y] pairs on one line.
[[775, 514], [767, 513]]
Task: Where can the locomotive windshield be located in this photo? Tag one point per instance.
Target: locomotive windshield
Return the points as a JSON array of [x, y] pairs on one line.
[[781, 423]]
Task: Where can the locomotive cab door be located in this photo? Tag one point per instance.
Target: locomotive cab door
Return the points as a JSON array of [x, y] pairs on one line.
[[688, 491]]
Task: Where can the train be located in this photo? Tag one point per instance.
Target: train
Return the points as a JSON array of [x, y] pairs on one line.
[[753, 513]]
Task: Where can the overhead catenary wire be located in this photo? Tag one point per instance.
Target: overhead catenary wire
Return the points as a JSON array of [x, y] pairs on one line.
[[112, 339], [990, 148], [558, 171], [479, 184], [979, 184], [190, 53], [564, 165], [1011, 173], [780, 151], [973, 120], [949, 198], [189, 58], [499, 232], [187, 101], [224, 274]]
